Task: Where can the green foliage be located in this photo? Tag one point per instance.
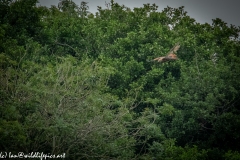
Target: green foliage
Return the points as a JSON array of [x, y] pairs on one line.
[[12, 136], [85, 85], [230, 155]]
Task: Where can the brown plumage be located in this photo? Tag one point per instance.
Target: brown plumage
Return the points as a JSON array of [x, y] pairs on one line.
[[171, 56]]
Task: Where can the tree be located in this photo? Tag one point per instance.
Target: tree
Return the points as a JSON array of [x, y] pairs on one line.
[[82, 84]]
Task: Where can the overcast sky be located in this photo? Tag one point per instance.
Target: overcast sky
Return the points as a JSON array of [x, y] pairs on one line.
[[201, 10]]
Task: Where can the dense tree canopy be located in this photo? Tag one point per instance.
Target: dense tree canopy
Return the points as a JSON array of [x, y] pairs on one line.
[[85, 84]]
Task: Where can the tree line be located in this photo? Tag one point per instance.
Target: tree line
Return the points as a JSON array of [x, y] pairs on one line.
[[85, 84]]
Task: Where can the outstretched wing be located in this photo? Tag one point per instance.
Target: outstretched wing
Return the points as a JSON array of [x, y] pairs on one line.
[[170, 56], [174, 49], [159, 59]]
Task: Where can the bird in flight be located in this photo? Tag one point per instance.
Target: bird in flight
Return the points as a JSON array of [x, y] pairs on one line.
[[171, 56]]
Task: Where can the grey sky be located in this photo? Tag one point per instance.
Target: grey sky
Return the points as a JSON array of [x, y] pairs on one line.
[[201, 10]]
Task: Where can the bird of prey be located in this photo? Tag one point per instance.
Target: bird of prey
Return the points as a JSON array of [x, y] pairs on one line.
[[171, 56]]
